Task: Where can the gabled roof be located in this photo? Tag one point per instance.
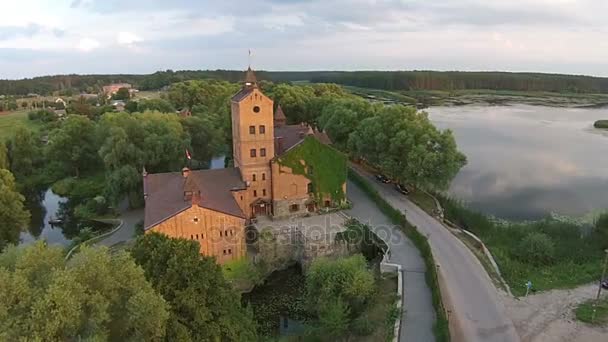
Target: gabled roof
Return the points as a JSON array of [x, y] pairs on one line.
[[165, 193], [285, 137], [242, 94]]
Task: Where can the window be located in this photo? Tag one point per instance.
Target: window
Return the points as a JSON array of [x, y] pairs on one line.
[[241, 198], [229, 250], [195, 219], [197, 236], [262, 152], [262, 129], [191, 237], [311, 188], [253, 177], [225, 233], [263, 192], [251, 129], [255, 193], [263, 176], [294, 207], [256, 109], [224, 252], [221, 232], [252, 153]]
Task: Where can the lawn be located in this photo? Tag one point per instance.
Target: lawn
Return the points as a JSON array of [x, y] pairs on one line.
[[424, 201], [584, 312], [10, 121]]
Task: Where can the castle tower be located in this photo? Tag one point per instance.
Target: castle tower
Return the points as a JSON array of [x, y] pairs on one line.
[[253, 144]]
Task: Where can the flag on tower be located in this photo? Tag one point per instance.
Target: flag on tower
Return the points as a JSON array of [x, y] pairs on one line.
[[188, 155]]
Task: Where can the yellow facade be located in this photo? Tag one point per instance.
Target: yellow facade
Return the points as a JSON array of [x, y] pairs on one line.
[[253, 145], [218, 234]]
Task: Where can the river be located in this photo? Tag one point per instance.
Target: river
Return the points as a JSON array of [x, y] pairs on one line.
[[525, 162]]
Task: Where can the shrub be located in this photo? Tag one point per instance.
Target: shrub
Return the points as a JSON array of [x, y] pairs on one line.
[[601, 124], [536, 248], [363, 326]]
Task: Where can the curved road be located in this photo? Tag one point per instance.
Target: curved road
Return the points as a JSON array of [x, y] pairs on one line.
[[418, 314], [476, 310], [127, 231]]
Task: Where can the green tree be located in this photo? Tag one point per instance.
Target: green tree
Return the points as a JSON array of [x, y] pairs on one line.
[[205, 139], [159, 105], [4, 162], [24, 152], [407, 147], [293, 100], [203, 305], [73, 144], [347, 279], [334, 318], [341, 117], [94, 297], [81, 107], [13, 215], [601, 229], [122, 94], [536, 248]]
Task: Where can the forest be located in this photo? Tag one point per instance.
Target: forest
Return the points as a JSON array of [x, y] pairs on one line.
[[388, 80]]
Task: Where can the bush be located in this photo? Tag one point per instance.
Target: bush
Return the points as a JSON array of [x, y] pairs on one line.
[[601, 229], [601, 124], [363, 326], [536, 248]]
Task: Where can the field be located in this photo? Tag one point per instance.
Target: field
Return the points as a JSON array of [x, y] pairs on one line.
[[10, 121]]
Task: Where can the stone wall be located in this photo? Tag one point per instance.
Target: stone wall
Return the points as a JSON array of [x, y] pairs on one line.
[[282, 208]]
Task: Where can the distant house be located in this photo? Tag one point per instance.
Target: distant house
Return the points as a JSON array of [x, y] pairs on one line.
[[111, 89], [119, 105]]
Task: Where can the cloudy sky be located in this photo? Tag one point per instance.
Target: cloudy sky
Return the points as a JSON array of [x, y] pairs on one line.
[[41, 37]]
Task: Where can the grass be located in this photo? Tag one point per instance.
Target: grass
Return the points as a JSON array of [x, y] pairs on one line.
[[424, 201], [584, 312], [10, 121], [576, 259], [383, 312], [483, 259]]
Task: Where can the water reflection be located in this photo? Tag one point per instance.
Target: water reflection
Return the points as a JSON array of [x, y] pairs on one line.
[[42, 211], [527, 161]]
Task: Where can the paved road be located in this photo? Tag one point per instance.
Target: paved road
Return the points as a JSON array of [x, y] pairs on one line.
[[127, 231], [418, 315], [476, 310]]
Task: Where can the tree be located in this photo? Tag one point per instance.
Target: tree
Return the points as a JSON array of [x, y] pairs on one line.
[[203, 305], [293, 101], [601, 229], [81, 107], [4, 163], [159, 105], [23, 152], [94, 297], [334, 318], [405, 145], [536, 248], [73, 144], [13, 215], [347, 279], [205, 139], [122, 94], [340, 117]]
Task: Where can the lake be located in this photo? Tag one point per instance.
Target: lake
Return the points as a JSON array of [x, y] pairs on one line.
[[525, 162]]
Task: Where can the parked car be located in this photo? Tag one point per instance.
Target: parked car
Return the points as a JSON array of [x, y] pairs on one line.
[[382, 178], [605, 283], [402, 189]]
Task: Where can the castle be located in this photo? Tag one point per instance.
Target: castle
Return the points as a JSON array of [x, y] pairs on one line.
[[279, 171]]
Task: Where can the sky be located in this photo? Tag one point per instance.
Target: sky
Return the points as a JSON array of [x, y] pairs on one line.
[[48, 37]]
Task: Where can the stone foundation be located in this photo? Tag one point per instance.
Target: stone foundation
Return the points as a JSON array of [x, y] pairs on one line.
[[283, 208]]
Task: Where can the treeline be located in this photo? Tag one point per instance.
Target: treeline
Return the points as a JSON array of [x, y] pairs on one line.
[[389, 80], [456, 80]]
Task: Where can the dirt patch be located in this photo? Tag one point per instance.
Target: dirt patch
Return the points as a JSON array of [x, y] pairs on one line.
[[549, 316]]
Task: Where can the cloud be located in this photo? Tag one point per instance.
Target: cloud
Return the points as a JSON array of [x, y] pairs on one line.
[[516, 35], [128, 38], [88, 44]]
